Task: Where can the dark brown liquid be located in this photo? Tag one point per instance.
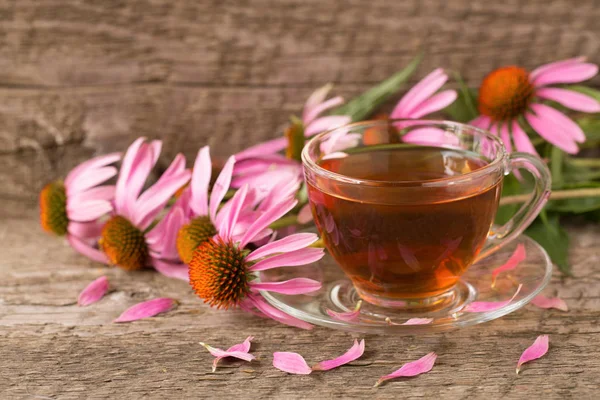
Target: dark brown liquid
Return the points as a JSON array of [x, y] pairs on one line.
[[404, 244]]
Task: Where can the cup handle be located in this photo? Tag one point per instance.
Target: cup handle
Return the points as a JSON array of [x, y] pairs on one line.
[[503, 235]]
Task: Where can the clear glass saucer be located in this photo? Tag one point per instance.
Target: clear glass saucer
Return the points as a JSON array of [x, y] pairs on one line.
[[339, 296]]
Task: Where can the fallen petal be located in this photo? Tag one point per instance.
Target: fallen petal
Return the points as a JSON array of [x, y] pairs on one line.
[[483, 306], [355, 352], [237, 351], [93, 292], [535, 351], [292, 363], [146, 309], [414, 368], [542, 301], [412, 321], [517, 257], [348, 316]]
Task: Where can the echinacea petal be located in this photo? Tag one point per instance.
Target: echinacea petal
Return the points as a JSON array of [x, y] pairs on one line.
[[554, 65], [414, 368], [315, 111], [146, 309], [89, 210], [172, 270], [267, 218], [305, 214], [535, 351], [291, 286], [290, 259], [140, 171], [221, 187], [125, 172], [292, 363], [273, 313], [348, 316], [560, 121], [90, 179], [93, 292], [542, 301], [485, 306], [571, 73], [239, 351], [235, 205], [94, 163], [517, 257], [326, 123], [85, 230], [200, 181], [261, 149], [434, 103], [289, 243], [570, 99], [522, 141], [430, 136], [412, 321], [354, 353], [87, 250], [162, 239], [548, 130], [419, 93], [105, 192], [482, 121], [316, 98]]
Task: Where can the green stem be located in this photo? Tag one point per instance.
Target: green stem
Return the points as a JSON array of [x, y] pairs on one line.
[[585, 162], [558, 195], [284, 222], [229, 194]]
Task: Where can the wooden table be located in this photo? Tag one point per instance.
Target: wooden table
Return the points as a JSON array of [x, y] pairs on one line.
[[51, 347], [86, 77]]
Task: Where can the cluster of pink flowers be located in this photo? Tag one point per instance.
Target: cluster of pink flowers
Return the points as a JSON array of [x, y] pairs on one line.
[[219, 237]]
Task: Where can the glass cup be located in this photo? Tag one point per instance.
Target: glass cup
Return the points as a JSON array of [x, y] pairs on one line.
[[405, 207]]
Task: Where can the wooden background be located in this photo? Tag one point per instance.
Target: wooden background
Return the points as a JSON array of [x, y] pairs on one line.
[[79, 78]]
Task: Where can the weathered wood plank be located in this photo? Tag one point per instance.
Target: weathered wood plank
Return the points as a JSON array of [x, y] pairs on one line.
[[50, 347], [279, 42]]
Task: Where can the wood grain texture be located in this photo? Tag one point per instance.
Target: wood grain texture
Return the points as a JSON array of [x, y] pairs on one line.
[[229, 73], [51, 347]]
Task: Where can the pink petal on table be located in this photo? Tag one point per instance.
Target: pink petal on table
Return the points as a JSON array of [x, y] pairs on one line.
[[535, 351], [354, 353], [517, 257], [292, 363], [484, 306], [348, 316], [418, 321], [146, 309], [93, 292], [237, 351], [414, 368], [542, 301]]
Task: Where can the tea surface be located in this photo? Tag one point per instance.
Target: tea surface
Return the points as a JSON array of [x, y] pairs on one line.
[[398, 249]]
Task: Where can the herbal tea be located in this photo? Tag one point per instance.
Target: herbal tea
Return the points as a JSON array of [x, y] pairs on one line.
[[399, 241]]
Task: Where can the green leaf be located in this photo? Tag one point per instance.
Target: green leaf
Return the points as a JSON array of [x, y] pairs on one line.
[[546, 230], [464, 108], [556, 167], [362, 106], [591, 127]]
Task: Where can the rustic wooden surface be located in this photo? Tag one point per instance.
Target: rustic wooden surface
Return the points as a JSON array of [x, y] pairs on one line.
[[79, 78], [51, 348]]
